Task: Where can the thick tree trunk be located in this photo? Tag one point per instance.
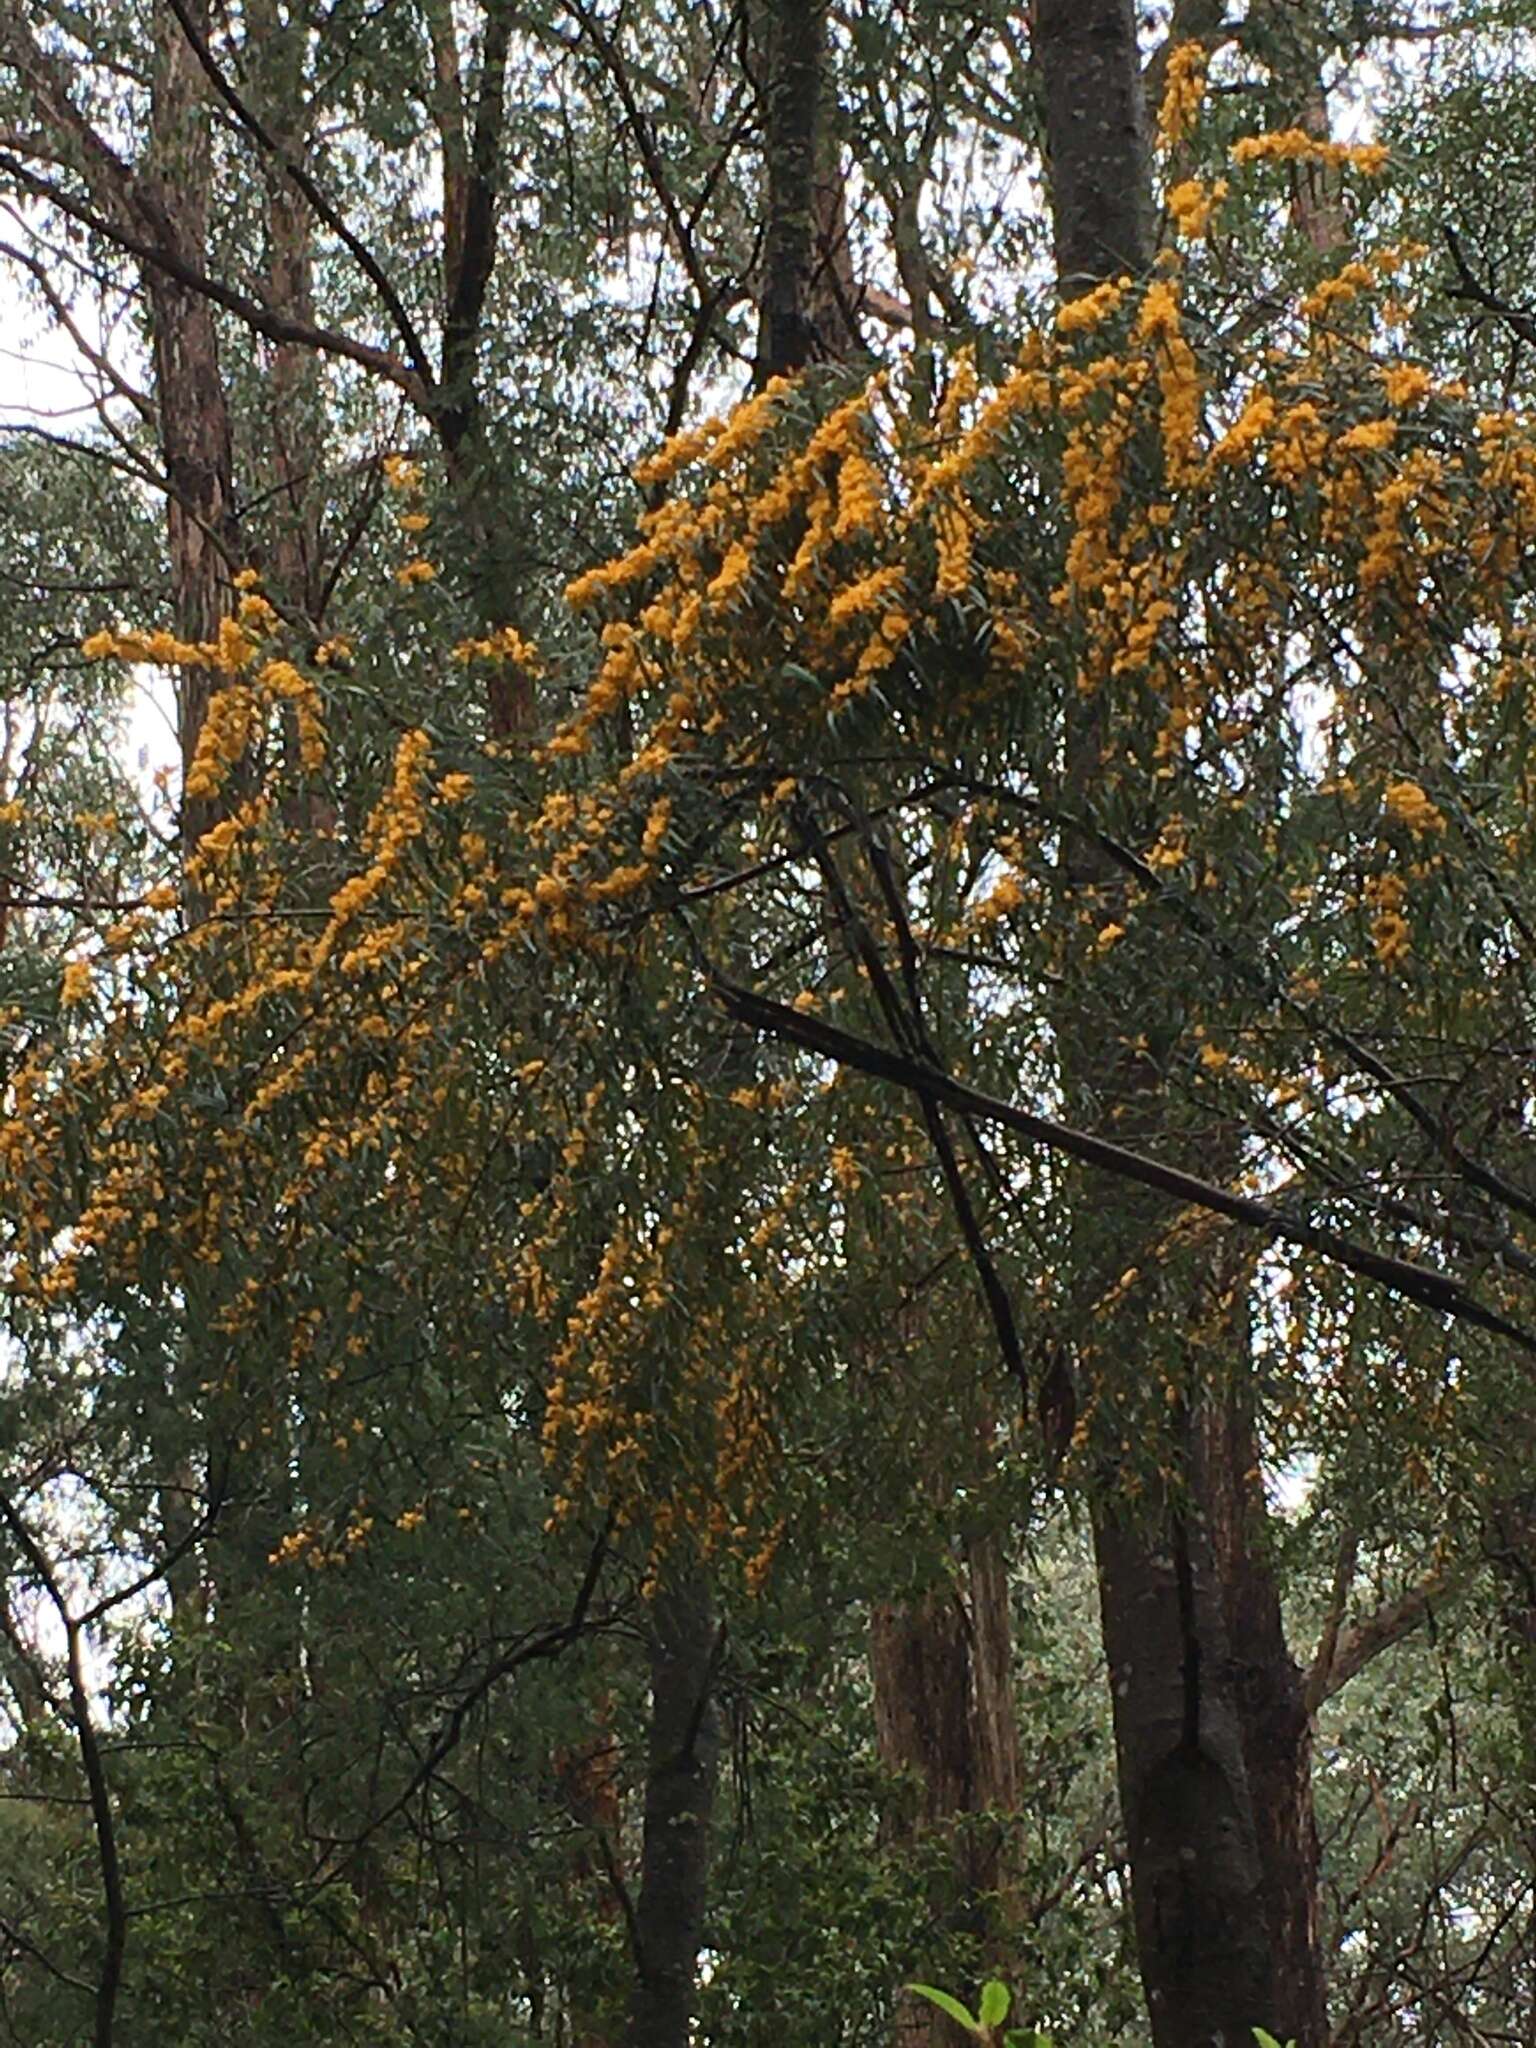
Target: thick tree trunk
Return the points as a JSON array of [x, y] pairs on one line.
[[1212, 1737], [1270, 1693], [1095, 139], [1196, 1875], [679, 1801], [197, 451]]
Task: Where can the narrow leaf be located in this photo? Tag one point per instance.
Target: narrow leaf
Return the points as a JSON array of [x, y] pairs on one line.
[[947, 2004]]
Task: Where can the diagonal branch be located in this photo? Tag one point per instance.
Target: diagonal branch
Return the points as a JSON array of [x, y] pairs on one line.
[[1349, 1651], [1519, 322], [1404, 1278], [262, 319], [362, 255]]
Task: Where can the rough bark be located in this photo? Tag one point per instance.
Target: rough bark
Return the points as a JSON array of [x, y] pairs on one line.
[[1096, 140], [793, 111], [679, 1801], [941, 1668], [172, 192], [294, 571], [1211, 1731], [1196, 1875], [196, 442], [1269, 1689]]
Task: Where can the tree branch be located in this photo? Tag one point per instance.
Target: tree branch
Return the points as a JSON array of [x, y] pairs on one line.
[[255, 315], [1401, 1277], [366, 261]]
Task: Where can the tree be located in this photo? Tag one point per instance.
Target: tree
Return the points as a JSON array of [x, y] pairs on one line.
[[1067, 759]]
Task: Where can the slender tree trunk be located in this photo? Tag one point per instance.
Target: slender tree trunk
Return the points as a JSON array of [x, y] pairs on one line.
[[679, 1802], [202, 533], [944, 1715], [1212, 1738], [195, 437], [795, 40]]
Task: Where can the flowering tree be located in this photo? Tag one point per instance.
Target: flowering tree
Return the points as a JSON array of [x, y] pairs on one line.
[[1026, 858]]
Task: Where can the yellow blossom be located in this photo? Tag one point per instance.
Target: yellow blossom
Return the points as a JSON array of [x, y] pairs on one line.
[[1405, 384], [1190, 205], [1296, 145], [1370, 436], [1081, 315], [1406, 802], [1183, 93], [76, 984]]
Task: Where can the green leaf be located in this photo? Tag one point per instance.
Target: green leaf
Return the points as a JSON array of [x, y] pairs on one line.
[[947, 2004], [994, 2003], [1266, 2039], [1026, 2037]]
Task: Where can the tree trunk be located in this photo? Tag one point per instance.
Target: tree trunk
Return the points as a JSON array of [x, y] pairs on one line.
[[1270, 1691], [1212, 1738], [275, 60], [202, 536], [1196, 1876], [796, 36], [944, 1715], [195, 437], [679, 1800]]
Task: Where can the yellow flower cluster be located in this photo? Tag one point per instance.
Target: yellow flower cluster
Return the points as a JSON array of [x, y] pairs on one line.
[[1178, 376], [1082, 314], [1183, 94], [1248, 431], [76, 984], [1190, 205], [1406, 384], [506, 643], [1390, 934], [396, 821], [1296, 145], [1406, 804]]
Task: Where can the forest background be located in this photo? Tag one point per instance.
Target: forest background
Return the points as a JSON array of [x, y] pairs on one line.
[[771, 1229]]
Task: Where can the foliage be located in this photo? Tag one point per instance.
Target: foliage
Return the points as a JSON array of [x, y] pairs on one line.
[[487, 1164]]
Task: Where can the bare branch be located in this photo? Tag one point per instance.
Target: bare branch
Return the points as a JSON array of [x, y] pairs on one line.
[[262, 319], [366, 261], [1431, 1289], [1356, 1647]]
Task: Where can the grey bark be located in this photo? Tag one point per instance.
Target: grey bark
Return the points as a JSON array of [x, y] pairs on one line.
[[679, 1803], [796, 35]]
